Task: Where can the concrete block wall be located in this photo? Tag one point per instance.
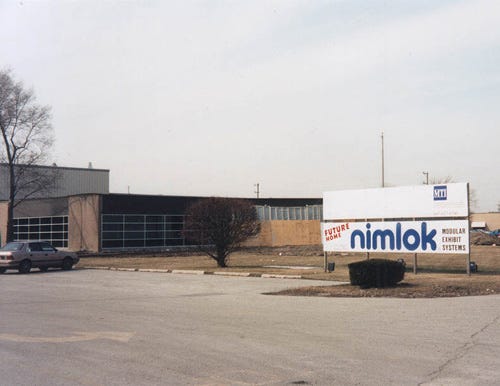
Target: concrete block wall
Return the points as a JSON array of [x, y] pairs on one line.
[[3, 221], [287, 232], [491, 219], [84, 219]]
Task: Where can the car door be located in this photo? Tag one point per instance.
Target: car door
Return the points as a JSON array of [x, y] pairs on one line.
[[36, 253], [50, 253]]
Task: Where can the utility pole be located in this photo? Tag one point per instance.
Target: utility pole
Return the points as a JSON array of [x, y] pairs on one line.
[[426, 174], [383, 180], [257, 191]]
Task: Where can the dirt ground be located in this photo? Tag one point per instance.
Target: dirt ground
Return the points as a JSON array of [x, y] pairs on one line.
[[437, 275], [413, 286]]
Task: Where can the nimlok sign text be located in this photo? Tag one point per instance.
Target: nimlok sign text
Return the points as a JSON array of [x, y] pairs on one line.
[[448, 236]]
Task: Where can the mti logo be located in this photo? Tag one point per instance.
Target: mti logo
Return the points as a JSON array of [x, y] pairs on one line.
[[440, 193]]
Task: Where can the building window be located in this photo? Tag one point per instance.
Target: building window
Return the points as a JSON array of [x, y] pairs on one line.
[[141, 231], [53, 229]]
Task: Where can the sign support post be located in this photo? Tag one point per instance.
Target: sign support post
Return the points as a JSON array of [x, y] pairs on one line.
[[468, 228], [414, 259]]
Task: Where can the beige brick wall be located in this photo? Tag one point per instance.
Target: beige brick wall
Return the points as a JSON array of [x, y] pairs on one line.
[[287, 232], [492, 219], [3, 221], [84, 222]]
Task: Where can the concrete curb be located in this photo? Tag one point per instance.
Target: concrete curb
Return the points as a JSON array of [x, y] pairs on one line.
[[188, 271], [273, 276], [198, 272], [102, 268], [240, 274]]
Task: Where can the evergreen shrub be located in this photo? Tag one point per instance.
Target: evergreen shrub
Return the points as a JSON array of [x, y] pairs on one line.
[[377, 273]]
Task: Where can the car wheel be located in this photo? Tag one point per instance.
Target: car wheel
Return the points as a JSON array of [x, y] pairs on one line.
[[24, 266], [44, 269], [3, 270], [67, 263]]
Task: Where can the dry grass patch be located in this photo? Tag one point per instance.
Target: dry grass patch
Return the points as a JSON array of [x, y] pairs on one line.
[[238, 262]]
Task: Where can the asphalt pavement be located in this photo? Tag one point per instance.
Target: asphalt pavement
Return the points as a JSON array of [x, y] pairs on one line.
[[89, 327]]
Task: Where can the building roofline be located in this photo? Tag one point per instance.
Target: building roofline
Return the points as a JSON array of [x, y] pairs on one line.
[[208, 196], [58, 167]]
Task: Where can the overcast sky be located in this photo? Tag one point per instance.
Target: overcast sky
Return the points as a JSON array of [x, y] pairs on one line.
[[211, 97]]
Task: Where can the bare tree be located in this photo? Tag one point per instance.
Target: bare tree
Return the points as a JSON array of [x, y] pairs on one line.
[[219, 225], [26, 141], [442, 180]]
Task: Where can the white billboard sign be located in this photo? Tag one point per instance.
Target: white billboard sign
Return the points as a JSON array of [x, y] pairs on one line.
[[446, 236], [423, 201]]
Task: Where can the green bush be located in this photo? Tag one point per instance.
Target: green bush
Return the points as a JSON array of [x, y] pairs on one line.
[[377, 273]]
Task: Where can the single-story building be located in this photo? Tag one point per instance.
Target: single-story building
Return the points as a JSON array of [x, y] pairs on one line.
[[102, 222]]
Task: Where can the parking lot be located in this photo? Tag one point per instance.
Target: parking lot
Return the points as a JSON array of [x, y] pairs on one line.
[[88, 327]]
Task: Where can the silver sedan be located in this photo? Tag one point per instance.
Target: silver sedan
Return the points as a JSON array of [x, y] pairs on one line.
[[24, 255]]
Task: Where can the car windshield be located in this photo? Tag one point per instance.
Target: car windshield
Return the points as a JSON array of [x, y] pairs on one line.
[[12, 247]]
